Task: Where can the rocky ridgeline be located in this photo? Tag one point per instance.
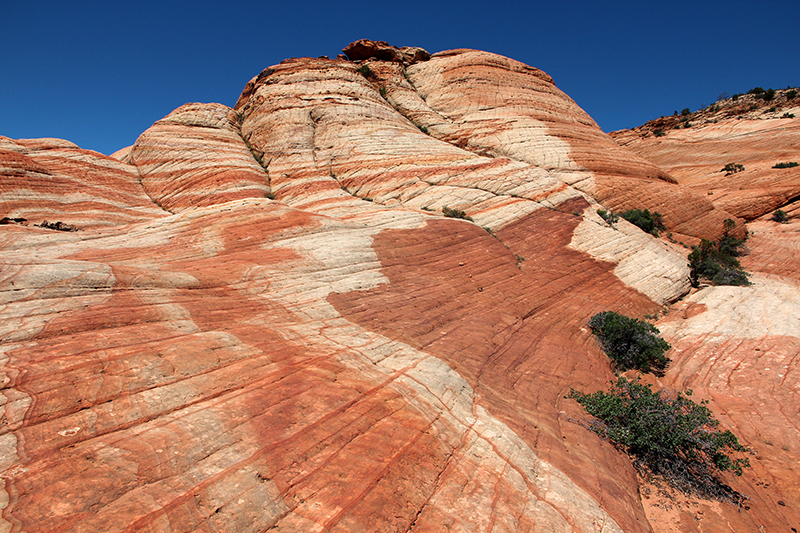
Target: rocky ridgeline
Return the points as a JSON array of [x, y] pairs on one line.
[[265, 320], [731, 151]]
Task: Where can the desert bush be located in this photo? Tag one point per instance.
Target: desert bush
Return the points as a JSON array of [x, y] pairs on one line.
[[630, 342], [609, 216], [716, 262], [790, 95], [756, 90], [732, 168], [686, 112], [780, 216], [455, 213], [365, 71], [787, 115], [787, 164], [659, 132], [649, 223], [667, 434]]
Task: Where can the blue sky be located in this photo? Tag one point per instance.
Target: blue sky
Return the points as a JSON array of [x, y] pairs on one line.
[[100, 73]]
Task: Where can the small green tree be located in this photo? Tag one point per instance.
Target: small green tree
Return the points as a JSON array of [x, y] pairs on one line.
[[780, 216], [667, 434], [648, 222], [732, 168], [630, 342], [716, 261]]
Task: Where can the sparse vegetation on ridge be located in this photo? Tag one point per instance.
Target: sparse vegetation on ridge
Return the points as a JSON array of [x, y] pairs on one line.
[[780, 216], [737, 105], [732, 168], [455, 213], [668, 435], [630, 343], [651, 223], [787, 164], [716, 261]]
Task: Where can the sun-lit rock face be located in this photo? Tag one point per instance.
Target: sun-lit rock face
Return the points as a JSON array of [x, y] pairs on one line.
[[308, 344], [501, 107], [53, 180], [753, 133], [195, 156]]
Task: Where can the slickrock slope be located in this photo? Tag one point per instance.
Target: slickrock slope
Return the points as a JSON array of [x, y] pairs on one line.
[[54, 180], [525, 116], [747, 131], [195, 157], [343, 357], [738, 347]]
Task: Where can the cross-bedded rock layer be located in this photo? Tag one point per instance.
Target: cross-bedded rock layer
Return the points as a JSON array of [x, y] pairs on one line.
[[342, 357], [54, 180], [757, 138]]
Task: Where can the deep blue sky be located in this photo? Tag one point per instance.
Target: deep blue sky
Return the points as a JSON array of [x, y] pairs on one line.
[[100, 73]]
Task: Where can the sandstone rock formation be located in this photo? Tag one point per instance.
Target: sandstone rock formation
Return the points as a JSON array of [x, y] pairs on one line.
[[53, 179], [747, 131], [271, 326], [196, 157]]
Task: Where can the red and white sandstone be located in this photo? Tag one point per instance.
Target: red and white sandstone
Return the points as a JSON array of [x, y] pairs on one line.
[[748, 131], [195, 157], [343, 357]]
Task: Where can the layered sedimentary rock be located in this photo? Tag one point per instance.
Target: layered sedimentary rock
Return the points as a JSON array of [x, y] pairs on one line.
[[54, 180], [195, 156], [339, 356], [749, 134]]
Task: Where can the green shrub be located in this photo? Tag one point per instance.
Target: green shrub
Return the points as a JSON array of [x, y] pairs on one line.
[[790, 95], [756, 90], [667, 434], [686, 112], [716, 261], [609, 216], [382, 90], [629, 342], [647, 222], [732, 168], [455, 213], [780, 216], [787, 115], [659, 132], [365, 71], [787, 164]]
